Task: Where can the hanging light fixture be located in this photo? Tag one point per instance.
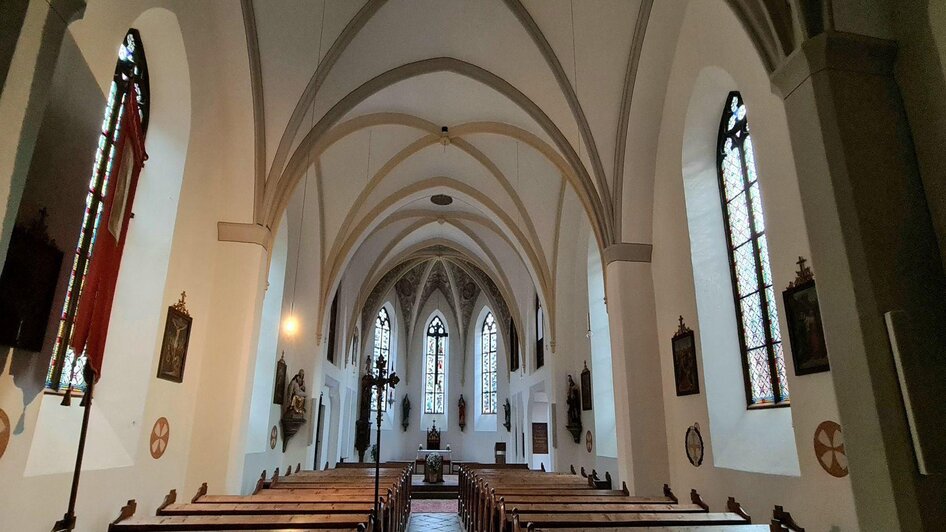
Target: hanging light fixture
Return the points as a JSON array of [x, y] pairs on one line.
[[290, 323]]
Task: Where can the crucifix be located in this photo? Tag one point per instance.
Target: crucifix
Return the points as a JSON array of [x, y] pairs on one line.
[[379, 381]]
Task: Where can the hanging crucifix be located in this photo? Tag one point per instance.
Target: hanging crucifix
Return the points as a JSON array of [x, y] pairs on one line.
[[438, 333]]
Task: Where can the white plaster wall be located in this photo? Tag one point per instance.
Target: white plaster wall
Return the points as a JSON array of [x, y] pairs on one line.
[[714, 39], [191, 260]]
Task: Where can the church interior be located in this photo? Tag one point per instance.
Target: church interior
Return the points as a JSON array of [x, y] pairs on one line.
[[478, 265]]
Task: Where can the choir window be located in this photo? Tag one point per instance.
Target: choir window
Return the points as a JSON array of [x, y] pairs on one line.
[[759, 337], [382, 348], [65, 369], [434, 384], [488, 365]]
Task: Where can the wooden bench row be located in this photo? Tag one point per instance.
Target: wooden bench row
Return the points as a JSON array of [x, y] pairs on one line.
[[501, 500], [305, 500]]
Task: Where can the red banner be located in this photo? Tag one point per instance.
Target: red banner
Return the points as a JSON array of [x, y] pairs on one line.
[[90, 329]]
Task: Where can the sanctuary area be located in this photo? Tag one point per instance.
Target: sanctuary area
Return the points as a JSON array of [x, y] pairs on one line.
[[478, 265]]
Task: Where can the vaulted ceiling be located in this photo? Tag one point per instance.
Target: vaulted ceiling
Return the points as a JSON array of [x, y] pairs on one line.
[[531, 114], [353, 97]]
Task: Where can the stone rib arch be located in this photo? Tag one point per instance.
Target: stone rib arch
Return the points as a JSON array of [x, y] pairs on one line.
[[500, 278], [415, 148], [277, 192], [422, 252], [365, 226]]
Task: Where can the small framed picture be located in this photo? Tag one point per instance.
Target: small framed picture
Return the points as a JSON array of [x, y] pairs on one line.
[[803, 316], [586, 397], [685, 373], [177, 333]]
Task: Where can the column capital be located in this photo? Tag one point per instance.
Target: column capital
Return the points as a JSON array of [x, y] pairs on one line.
[[834, 50], [68, 10], [628, 252], [246, 233]]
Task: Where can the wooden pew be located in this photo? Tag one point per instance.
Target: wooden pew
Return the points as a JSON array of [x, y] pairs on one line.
[[127, 522], [309, 500]]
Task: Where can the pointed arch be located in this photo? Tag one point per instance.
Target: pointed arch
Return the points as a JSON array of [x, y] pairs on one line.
[[435, 365]]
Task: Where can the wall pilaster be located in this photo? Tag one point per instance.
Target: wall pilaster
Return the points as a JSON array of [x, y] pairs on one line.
[[873, 251]]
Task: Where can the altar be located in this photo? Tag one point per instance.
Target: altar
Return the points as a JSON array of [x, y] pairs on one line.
[[433, 475]]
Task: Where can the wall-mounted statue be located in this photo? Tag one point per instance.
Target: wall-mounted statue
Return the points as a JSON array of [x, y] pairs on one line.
[[363, 423], [297, 395], [461, 407], [405, 412], [573, 400], [507, 411], [294, 413]]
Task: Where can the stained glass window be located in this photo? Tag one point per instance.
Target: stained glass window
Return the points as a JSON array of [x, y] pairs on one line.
[[759, 337], [434, 384], [539, 334], [382, 348], [488, 365], [64, 368]]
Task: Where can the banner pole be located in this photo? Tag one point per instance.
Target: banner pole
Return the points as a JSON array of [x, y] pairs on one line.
[[68, 521]]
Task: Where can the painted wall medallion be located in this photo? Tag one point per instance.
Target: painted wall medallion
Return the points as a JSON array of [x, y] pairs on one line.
[[694, 445], [273, 436], [160, 436], [589, 441], [829, 449], [6, 430]]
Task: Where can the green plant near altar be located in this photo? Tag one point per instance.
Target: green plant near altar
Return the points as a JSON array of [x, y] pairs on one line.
[[434, 462]]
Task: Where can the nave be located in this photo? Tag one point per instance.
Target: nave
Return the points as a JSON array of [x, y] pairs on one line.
[[582, 249], [492, 498]]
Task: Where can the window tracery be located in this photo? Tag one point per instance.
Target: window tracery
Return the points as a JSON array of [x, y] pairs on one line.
[[756, 314]]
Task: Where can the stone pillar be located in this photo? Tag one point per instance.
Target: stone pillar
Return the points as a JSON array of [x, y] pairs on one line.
[[221, 415], [638, 391], [873, 250], [37, 30]]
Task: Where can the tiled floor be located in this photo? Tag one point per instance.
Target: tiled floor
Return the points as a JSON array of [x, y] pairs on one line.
[[434, 523]]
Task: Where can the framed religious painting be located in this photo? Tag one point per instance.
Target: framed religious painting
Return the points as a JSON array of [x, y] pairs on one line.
[[685, 373], [803, 317], [586, 397], [177, 333], [279, 388]]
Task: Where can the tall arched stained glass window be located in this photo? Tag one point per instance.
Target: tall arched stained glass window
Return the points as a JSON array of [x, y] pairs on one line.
[[382, 348], [759, 337], [488, 365], [434, 384], [131, 67]]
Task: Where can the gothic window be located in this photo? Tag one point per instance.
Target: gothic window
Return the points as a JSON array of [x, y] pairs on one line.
[[382, 348], [513, 346], [64, 368], [488, 365], [539, 334], [332, 325], [434, 384], [759, 337]]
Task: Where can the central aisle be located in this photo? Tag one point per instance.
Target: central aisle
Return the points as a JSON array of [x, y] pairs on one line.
[[434, 515]]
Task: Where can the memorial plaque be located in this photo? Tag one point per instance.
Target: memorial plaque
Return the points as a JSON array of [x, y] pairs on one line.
[[540, 438]]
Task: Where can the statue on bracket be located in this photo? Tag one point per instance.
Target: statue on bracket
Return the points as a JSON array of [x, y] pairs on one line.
[[294, 413], [363, 423], [506, 410], [461, 406], [405, 412], [573, 400]]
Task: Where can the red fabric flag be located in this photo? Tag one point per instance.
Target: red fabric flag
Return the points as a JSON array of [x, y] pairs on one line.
[[95, 302]]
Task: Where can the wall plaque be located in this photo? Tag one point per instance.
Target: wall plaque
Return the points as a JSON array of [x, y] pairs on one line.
[[694, 445], [540, 438], [829, 449], [160, 436], [6, 430]]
